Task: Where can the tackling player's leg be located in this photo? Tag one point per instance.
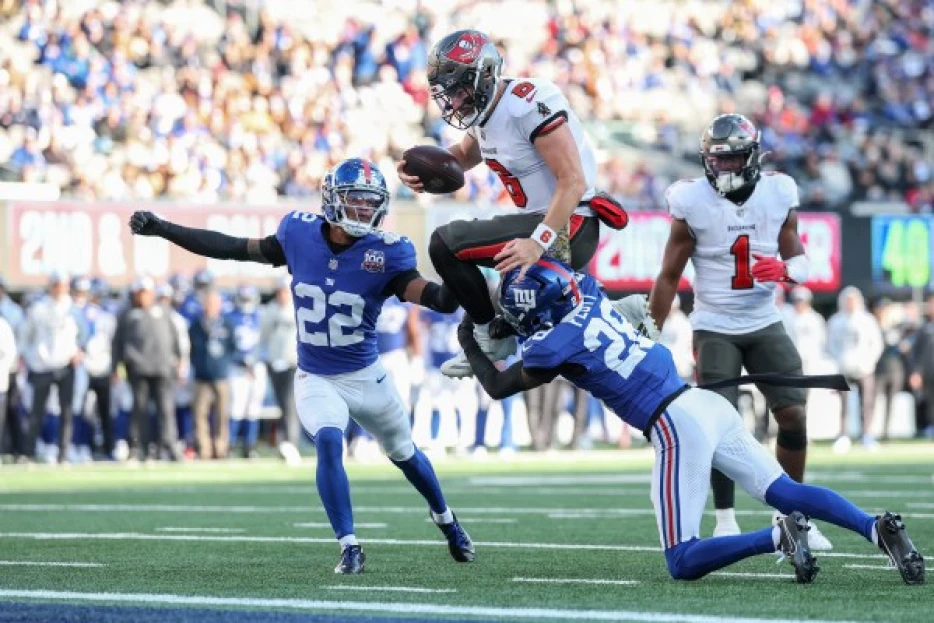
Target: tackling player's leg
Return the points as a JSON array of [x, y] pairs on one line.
[[719, 358]]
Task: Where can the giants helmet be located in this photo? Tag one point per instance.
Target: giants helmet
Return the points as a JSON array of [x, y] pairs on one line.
[[355, 197], [729, 151], [463, 72], [546, 293]]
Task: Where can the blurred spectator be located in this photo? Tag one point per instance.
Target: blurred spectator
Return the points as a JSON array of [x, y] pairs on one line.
[[248, 375], [165, 296], [13, 315], [212, 353], [854, 341], [807, 329], [146, 344], [921, 367], [52, 336], [8, 356], [891, 371], [277, 335]]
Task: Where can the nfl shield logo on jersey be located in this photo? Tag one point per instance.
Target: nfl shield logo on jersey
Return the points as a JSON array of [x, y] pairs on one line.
[[525, 299], [374, 261]]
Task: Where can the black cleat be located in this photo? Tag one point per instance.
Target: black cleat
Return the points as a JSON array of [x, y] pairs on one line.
[[459, 543], [352, 559], [894, 543], [793, 544]]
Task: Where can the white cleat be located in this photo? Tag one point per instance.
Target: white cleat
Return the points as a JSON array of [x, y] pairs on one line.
[[496, 349], [727, 528], [842, 445], [290, 454], [818, 541]]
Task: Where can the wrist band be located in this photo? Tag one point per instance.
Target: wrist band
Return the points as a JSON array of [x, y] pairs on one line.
[[544, 236]]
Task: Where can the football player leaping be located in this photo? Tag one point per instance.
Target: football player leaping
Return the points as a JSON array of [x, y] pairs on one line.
[[731, 223], [525, 131], [571, 329], [343, 269]]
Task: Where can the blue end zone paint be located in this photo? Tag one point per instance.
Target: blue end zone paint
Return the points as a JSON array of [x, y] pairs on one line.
[[17, 612]]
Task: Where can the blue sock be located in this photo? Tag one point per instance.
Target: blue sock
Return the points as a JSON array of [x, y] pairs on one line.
[[696, 558], [235, 426], [788, 496], [331, 479], [479, 438], [251, 433], [435, 424], [421, 474], [49, 429], [506, 435], [186, 425]]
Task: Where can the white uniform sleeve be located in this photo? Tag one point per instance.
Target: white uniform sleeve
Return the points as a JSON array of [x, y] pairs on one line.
[[787, 191], [675, 206], [542, 108]]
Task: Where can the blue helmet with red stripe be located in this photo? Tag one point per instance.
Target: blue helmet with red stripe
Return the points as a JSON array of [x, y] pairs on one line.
[[541, 298], [355, 197]]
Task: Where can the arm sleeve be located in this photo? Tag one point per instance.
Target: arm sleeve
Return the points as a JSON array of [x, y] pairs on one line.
[[675, 209], [438, 298], [220, 246], [545, 113]]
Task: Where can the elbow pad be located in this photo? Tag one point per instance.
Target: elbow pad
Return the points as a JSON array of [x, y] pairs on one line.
[[797, 268]]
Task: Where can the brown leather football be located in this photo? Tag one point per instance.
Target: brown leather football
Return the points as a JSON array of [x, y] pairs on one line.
[[438, 170]]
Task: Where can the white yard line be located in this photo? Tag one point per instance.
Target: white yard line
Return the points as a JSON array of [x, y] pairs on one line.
[[39, 563], [388, 589], [771, 576], [324, 524], [138, 536], [574, 581], [312, 605], [208, 530], [874, 567]]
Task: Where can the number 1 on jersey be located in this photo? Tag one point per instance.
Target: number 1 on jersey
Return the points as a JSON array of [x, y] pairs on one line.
[[742, 273]]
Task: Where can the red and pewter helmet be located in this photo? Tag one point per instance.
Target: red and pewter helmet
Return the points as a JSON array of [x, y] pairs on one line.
[[463, 72], [729, 150]]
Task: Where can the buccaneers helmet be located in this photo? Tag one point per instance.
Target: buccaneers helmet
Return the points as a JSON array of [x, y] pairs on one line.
[[729, 151], [463, 72]]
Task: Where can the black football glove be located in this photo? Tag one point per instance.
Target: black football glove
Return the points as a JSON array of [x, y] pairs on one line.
[[145, 223], [500, 328]]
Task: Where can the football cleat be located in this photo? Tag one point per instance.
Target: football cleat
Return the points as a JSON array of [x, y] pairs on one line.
[[459, 543], [816, 539], [352, 559], [793, 544], [496, 349], [894, 542]]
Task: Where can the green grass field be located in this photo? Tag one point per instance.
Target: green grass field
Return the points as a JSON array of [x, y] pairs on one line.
[[559, 537]]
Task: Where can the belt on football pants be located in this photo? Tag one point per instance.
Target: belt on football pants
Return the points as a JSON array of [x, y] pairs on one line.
[[805, 381]]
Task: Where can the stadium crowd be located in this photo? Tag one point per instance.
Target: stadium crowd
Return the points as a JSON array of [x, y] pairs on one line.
[[180, 370], [138, 100]]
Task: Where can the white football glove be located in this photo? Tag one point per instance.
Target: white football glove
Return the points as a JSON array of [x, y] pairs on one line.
[[635, 309]]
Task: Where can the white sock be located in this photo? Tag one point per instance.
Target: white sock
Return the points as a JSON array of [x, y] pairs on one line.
[[444, 518], [776, 536], [347, 541], [725, 515], [875, 535]]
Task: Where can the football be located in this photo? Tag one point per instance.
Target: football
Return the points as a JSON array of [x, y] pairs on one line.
[[438, 170]]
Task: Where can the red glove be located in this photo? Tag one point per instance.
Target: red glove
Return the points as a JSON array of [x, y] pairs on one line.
[[769, 269]]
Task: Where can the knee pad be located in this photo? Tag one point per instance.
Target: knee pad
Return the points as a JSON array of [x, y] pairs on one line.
[[438, 249], [674, 556], [329, 443], [402, 451], [792, 440], [792, 428]]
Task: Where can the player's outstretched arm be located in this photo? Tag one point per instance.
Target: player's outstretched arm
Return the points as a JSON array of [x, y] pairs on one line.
[[678, 251], [414, 288], [497, 384], [208, 243]]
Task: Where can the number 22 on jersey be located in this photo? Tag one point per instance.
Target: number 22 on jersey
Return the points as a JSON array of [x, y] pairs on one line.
[[311, 308]]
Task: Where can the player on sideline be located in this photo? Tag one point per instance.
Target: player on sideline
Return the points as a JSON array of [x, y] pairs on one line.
[[525, 132], [571, 329], [343, 269], [731, 223]]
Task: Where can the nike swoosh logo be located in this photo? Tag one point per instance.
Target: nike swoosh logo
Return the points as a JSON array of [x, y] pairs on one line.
[[531, 96], [380, 379]]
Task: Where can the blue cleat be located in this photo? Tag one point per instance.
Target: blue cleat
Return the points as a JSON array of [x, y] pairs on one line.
[[459, 543], [352, 559]]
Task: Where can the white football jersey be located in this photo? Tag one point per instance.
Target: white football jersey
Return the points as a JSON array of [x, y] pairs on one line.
[[726, 298], [530, 108]]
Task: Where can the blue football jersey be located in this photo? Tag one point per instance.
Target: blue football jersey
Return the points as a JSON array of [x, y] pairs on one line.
[[442, 335], [391, 326], [628, 372], [339, 297], [246, 335]]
